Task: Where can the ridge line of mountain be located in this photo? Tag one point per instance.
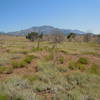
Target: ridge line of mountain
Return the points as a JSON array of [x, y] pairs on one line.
[[45, 29]]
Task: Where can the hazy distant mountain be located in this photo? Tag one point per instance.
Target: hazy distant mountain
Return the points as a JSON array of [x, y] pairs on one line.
[[2, 33], [66, 31], [44, 30]]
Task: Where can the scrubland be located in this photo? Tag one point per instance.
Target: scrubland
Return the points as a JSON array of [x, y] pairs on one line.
[[71, 71]]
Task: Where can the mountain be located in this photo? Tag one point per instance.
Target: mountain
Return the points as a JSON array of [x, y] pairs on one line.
[[2, 33], [45, 30], [66, 31]]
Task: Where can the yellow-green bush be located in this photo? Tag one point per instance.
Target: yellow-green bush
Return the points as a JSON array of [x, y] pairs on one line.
[[72, 65], [76, 65], [83, 60], [6, 70], [3, 97], [61, 60], [49, 57], [94, 69], [81, 67], [18, 64], [29, 58], [37, 49], [62, 68]]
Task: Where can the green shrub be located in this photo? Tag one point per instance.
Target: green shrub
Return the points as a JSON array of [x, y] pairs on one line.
[[80, 64], [63, 51], [81, 67], [61, 60], [37, 49], [94, 69], [62, 68], [18, 89], [3, 97], [18, 64], [24, 62], [29, 58], [49, 57], [72, 65], [40, 86], [31, 78], [83, 60], [6, 70], [76, 65]]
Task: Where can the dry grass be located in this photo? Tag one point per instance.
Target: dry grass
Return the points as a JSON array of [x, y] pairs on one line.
[[71, 71]]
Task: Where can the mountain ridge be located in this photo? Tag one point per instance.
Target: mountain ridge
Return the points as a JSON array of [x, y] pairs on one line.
[[45, 29]]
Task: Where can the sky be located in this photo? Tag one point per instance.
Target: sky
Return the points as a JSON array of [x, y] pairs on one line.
[[67, 14]]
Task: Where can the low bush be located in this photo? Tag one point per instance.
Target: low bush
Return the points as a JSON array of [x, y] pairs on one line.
[[83, 60], [18, 64], [92, 53], [29, 58], [49, 57], [5, 70], [94, 69], [3, 97], [37, 49], [76, 65], [72, 65], [63, 51], [61, 60], [18, 88], [40, 86], [31, 78], [81, 67], [62, 68], [23, 63]]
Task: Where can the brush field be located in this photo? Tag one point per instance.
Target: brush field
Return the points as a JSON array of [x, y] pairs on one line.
[[71, 71]]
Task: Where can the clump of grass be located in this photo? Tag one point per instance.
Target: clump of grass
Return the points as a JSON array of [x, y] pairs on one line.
[[5, 70], [83, 60], [72, 65], [18, 64], [61, 60], [50, 49], [76, 65], [49, 57], [40, 86], [63, 51], [81, 67], [24, 62], [24, 52], [37, 49], [18, 88], [62, 68], [29, 58], [8, 50], [95, 69], [31, 78], [90, 53], [3, 97]]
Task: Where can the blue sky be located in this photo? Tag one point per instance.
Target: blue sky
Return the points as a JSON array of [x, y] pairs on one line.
[[69, 14]]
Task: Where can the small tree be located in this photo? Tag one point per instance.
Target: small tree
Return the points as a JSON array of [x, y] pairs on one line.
[[57, 37], [71, 36], [35, 36], [98, 39], [32, 36], [87, 37], [40, 36]]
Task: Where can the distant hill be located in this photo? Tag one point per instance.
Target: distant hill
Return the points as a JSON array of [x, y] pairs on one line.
[[44, 30], [2, 33]]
